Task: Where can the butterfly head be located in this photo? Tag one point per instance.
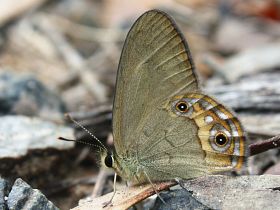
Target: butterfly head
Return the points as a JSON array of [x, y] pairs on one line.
[[125, 167], [109, 160]]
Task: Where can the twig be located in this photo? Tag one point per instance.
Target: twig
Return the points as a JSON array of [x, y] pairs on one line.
[[11, 9], [100, 182], [88, 33], [84, 153], [73, 59], [265, 145]]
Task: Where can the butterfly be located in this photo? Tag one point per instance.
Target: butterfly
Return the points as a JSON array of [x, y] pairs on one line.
[[164, 126]]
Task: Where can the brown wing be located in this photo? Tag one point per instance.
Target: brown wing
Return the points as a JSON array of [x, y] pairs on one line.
[[155, 65]]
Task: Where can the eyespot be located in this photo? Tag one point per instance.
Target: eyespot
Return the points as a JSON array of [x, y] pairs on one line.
[[109, 160], [221, 139], [182, 106]]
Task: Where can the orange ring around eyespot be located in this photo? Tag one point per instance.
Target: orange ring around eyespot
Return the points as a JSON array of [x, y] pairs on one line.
[[182, 103], [224, 135]]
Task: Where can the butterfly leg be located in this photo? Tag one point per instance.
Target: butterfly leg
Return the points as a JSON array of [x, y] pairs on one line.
[[154, 187], [178, 180], [114, 192]]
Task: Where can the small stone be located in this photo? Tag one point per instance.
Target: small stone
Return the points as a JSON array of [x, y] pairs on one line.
[[3, 193], [19, 134], [25, 95], [227, 192], [178, 199], [22, 196]]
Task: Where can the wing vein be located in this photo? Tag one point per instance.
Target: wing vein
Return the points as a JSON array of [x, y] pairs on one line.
[[160, 33], [179, 72], [157, 49], [170, 58], [182, 88], [149, 22]]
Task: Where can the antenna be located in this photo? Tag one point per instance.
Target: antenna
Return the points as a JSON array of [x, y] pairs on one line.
[[82, 142], [86, 130]]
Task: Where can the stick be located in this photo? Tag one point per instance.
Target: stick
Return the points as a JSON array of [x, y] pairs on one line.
[[265, 145], [12, 9], [74, 60]]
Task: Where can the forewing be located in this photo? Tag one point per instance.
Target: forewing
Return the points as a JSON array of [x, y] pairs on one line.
[[155, 65]]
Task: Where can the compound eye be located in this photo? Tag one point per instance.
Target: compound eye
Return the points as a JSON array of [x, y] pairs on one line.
[[109, 160], [182, 106], [221, 139]]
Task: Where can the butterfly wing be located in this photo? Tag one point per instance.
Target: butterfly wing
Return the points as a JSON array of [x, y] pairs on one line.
[[222, 140], [155, 64], [155, 71]]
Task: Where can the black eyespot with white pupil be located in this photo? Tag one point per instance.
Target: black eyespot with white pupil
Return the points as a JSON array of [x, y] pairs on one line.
[[109, 160], [221, 139], [182, 106]]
